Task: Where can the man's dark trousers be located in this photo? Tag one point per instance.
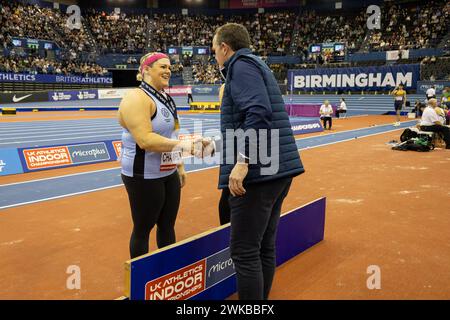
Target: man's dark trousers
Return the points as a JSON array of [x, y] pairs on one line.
[[254, 222], [440, 129]]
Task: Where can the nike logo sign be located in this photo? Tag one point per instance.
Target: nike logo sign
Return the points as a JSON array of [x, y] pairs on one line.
[[21, 98]]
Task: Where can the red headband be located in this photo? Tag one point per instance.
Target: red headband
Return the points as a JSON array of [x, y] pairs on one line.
[[152, 59]]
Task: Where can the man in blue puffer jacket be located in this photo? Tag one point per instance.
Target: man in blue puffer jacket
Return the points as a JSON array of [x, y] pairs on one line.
[[259, 159]]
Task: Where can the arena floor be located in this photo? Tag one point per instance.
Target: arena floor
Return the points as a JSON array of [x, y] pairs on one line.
[[384, 208]]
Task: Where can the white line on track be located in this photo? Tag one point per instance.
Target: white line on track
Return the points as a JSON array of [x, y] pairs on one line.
[[80, 192], [58, 197], [113, 134], [60, 139], [353, 130], [56, 177], [71, 134], [56, 130], [350, 139]]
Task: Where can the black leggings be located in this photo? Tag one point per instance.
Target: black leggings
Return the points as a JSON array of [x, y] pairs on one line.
[[325, 120], [441, 129], [339, 112], [152, 201]]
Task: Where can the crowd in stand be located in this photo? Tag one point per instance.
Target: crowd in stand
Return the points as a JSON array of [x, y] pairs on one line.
[[402, 27], [38, 65], [316, 29], [118, 33], [32, 21], [279, 70], [411, 27], [206, 73], [270, 32], [176, 68], [433, 68]]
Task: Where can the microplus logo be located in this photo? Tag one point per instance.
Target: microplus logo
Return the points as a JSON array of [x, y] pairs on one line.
[[221, 266], [93, 152], [204, 90], [2, 165], [438, 87]]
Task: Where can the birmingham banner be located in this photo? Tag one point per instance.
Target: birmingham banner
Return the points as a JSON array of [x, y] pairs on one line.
[[354, 79]]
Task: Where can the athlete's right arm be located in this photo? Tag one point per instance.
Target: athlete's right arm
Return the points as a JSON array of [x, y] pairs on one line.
[[135, 114]]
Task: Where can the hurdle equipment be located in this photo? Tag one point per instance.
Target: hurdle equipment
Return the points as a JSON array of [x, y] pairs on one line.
[[200, 268], [204, 106], [9, 111]]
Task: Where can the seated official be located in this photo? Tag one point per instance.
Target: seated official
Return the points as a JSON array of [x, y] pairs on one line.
[[431, 122], [326, 111], [418, 108], [342, 108], [431, 93]]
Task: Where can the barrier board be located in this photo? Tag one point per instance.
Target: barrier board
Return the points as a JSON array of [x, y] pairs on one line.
[[200, 267]]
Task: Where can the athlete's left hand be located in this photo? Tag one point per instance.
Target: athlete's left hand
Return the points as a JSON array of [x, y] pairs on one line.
[[182, 174]]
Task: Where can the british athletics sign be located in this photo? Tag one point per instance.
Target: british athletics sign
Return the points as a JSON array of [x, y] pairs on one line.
[[47, 78], [354, 79]]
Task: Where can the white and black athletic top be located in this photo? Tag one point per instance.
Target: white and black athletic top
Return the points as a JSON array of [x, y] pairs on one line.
[[326, 109], [139, 163]]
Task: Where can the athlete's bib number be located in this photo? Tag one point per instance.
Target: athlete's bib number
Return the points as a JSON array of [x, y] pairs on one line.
[[170, 160]]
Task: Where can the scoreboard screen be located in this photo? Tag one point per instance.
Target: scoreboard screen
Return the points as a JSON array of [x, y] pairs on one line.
[[316, 49], [17, 42], [32, 44], [339, 47]]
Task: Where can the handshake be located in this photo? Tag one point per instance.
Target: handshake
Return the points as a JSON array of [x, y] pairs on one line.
[[199, 147]]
